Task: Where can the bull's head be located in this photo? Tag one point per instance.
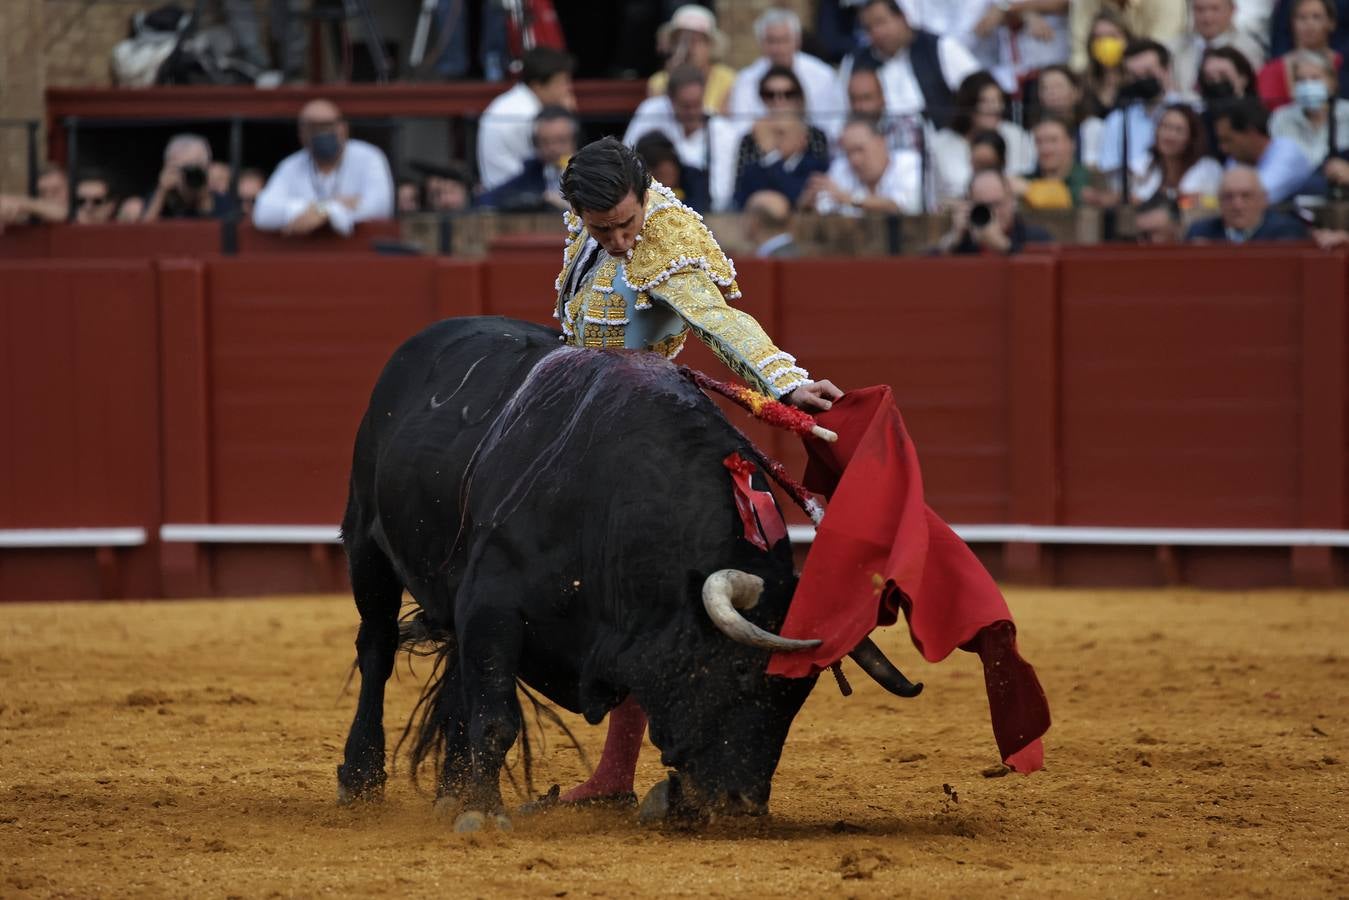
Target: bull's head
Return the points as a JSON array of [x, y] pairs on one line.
[[725, 736]]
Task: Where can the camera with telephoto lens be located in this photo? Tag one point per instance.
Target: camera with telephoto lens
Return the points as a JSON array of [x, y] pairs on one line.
[[194, 177], [980, 215]]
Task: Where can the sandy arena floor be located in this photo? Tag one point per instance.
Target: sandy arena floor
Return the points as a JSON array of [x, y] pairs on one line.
[[1201, 748]]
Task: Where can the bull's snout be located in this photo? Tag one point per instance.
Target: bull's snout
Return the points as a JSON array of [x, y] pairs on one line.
[[674, 800]]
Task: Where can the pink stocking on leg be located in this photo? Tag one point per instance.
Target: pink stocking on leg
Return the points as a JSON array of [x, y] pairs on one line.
[[618, 764]]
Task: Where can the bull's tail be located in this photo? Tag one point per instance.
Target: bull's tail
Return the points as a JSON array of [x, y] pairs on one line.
[[437, 708]]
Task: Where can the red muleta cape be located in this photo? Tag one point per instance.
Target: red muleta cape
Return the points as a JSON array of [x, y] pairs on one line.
[[880, 549]]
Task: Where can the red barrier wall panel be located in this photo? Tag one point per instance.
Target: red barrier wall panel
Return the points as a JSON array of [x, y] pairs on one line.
[[935, 331], [25, 242], [78, 395], [1181, 383], [522, 288], [295, 351], [120, 241]]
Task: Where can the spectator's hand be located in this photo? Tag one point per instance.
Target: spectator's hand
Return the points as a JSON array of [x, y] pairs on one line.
[[13, 210], [990, 22], [308, 221], [1337, 170], [960, 217], [815, 396], [1330, 238], [814, 185], [350, 202], [169, 179], [1038, 26], [991, 237]]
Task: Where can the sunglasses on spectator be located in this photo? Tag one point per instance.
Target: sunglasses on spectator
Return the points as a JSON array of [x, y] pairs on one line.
[[789, 94], [92, 201]]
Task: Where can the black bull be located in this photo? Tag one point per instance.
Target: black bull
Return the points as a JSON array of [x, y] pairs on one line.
[[557, 514]]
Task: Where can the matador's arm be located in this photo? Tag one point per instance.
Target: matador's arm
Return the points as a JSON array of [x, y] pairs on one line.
[[734, 336]]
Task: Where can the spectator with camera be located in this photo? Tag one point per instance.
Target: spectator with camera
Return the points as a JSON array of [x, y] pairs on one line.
[[1242, 127], [182, 191], [1245, 214], [868, 177], [539, 186], [333, 181], [986, 222]]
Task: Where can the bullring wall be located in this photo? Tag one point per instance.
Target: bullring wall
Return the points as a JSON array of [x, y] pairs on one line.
[[1123, 388]]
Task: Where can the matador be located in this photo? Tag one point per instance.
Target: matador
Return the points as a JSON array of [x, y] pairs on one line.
[[640, 271]]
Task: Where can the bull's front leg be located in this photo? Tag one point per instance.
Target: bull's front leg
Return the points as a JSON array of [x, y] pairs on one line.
[[489, 660], [378, 593]]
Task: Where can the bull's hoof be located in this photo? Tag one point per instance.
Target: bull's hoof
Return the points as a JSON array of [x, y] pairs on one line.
[[502, 822], [470, 821], [348, 796], [655, 806], [354, 790]]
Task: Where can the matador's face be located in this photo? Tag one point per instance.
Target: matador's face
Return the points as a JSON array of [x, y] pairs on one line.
[[616, 229]]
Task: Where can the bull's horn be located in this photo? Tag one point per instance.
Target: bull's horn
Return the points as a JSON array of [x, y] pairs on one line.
[[882, 671], [728, 591]]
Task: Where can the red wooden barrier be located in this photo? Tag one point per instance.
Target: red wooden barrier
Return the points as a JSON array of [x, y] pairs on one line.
[[1205, 389], [80, 413]]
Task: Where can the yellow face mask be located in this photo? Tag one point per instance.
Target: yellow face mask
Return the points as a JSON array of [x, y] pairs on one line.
[[1108, 51]]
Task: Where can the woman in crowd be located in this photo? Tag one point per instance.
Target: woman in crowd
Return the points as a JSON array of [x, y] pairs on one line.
[[1180, 168], [1105, 70], [1315, 119], [691, 37], [1059, 96], [980, 105], [781, 151], [1313, 23]]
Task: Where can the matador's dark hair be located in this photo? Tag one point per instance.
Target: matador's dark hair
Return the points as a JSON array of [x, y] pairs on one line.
[[601, 174]]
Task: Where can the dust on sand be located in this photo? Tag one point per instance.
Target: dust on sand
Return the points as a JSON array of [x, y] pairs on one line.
[[1200, 748]]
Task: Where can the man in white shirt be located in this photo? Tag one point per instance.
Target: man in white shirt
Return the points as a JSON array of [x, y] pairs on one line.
[[919, 71], [778, 32], [1213, 24], [506, 129], [333, 180], [702, 141], [868, 177]]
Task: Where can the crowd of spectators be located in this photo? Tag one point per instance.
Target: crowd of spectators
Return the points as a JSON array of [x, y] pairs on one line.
[[1207, 111]]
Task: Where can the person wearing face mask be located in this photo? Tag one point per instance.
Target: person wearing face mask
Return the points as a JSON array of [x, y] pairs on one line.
[[183, 191], [334, 181], [1163, 21], [1215, 27], [1318, 25], [1143, 98], [1104, 72], [1317, 121]]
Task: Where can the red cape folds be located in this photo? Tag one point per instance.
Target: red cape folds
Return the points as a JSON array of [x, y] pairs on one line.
[[880, 549]]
